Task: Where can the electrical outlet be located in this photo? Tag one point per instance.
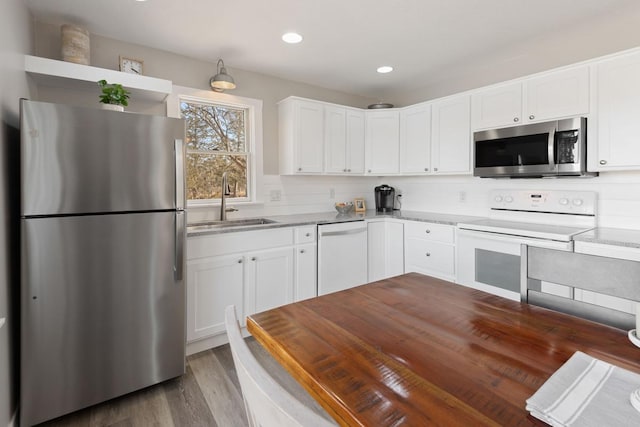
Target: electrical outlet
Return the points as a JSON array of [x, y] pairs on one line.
[[462, 196], [332, 193], [275, 195]]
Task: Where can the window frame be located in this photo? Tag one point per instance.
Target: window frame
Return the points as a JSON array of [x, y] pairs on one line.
[[253, 136]]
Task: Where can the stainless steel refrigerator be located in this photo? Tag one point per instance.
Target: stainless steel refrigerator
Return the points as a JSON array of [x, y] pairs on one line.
[[102, 262]]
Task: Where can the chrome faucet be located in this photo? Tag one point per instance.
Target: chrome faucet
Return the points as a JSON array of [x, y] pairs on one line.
[[226, 191]]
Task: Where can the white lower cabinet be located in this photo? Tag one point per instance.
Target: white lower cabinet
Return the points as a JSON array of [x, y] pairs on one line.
[[385, 241], [269, 279], [306, 260], [253, 270], [430, 249], [213, 284]]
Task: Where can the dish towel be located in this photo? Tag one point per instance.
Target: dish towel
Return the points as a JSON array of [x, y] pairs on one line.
[[587, 392]]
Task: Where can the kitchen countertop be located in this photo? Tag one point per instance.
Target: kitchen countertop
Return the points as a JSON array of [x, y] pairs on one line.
[[333, 217], [611, 236]]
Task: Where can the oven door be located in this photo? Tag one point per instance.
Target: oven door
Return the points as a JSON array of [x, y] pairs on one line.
[[490, 262]]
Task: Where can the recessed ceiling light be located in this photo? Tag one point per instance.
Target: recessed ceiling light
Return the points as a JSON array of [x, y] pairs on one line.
[[292, 38], [385, 69]]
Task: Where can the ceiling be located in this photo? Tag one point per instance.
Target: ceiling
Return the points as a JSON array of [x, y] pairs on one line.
[[344, 40]]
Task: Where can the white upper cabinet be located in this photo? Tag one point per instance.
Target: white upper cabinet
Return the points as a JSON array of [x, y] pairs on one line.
[[301, 127], [555, 95], [355, 141], [382, 142], [451, 136], [344, 140], [497, 107], [550, 96], [616, 130], [415, 139]]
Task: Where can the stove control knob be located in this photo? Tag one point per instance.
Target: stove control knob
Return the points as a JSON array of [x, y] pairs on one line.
[[498, 199], [564, 201], [508, 199], [578, 202]]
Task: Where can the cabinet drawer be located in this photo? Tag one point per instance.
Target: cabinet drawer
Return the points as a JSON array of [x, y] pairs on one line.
[[430, 231], [306, 234], [425, 256]]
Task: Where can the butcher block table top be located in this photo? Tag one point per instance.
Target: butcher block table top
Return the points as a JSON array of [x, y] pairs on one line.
[[415, 350]]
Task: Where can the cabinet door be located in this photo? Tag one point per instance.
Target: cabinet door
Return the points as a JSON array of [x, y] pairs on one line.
[[306, 273], [385, 244], [497, 107], [415, 140], [335, 140], [560, 94], [309, 136], [212, 285], [451, 136], [376, 250], [382, 150], [618, 109], [269, 279], [355, 141]]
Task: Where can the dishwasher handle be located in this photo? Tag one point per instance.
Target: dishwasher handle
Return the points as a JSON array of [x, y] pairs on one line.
[[343, 232]]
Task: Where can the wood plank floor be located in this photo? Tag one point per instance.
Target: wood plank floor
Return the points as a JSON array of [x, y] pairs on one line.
[[207, 395]]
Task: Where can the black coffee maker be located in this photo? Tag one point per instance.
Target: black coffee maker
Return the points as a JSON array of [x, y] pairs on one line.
[[385, 197]]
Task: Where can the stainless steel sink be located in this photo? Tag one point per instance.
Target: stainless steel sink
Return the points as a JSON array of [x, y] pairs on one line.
[[211, 225]]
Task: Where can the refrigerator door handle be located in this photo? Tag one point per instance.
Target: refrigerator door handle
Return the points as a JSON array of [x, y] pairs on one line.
[[180, 182], [179, 246]]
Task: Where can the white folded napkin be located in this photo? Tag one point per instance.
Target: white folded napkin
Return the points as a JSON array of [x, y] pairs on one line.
[[587, 392]]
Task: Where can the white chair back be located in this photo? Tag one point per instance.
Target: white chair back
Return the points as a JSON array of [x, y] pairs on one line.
[[267, 402]]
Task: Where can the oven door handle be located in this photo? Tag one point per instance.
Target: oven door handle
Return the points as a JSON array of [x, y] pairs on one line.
[[507, 238]]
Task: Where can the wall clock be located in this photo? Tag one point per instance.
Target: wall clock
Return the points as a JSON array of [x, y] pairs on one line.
[[129, 65]]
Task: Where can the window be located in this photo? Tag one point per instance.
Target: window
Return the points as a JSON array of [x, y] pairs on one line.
[[223, 134], [216, 143]]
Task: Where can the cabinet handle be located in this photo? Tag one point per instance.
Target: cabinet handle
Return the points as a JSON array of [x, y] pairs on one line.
[[428, 254], [299, 169], [515, 119], [426, 169], [301, 251], [348, 170], [531, 117], [435, 169], [253, 258], [240, 261], [307, 235], [427, 231], [603, 162], [344, 170], [369, 171]]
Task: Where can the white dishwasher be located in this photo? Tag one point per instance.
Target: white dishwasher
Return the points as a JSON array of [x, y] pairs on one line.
[[342, 256]]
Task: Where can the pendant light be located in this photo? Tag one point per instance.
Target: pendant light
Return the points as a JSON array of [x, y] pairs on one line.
[[222, 81]]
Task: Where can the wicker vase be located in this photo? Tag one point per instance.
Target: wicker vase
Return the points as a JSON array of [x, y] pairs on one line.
[[75, 44]]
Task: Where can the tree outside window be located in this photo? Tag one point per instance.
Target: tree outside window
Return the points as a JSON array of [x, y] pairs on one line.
[[216, 143]]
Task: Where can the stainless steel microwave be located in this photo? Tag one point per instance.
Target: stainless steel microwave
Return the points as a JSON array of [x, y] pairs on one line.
[[549, 149]]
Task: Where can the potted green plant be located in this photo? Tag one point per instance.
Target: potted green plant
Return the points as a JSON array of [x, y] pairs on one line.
[[114, 96]]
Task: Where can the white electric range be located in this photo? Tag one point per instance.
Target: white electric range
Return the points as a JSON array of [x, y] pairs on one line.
[[488, 251]]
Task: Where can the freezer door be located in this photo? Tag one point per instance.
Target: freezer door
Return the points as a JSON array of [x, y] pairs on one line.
[[103, 309], [86, 160]]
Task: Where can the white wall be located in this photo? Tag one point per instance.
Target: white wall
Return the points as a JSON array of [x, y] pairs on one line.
[[15, 40]]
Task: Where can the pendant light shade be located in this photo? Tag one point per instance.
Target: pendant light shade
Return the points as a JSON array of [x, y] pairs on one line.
[[222, 81]]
